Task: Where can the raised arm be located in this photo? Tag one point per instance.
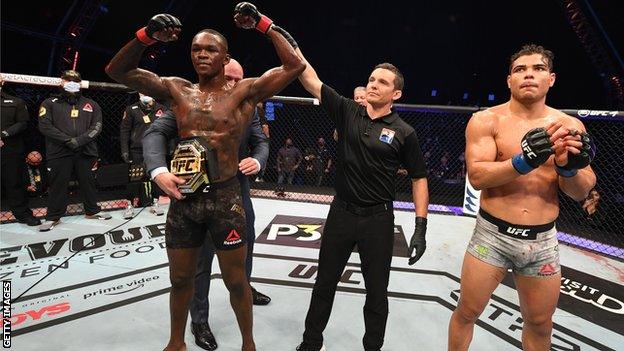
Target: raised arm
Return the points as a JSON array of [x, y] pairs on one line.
[[123, 68], [309, 79], [246, 16]]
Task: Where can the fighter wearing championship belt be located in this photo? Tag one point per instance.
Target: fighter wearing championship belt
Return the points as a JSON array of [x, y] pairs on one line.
[[215, 114], [195, 161]]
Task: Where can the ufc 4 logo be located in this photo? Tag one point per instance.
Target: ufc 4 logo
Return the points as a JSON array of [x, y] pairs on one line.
[[527, 149], [518, 231]]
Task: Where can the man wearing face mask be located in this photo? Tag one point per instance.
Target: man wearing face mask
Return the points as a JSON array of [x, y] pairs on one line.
[[70, 124], [13, 122], [136, 120]]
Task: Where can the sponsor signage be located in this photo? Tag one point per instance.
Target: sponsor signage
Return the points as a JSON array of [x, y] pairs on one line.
[[38, 80], [307, 232], [34, 259], [472, 198], [590, 298], [596, 113], [84, 299], [501, 317]]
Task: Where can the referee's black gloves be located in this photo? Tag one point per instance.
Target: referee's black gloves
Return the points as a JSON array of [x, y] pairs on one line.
[[417, 244]]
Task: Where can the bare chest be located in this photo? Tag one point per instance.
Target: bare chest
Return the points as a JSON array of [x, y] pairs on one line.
[[510, 132], [216, 112]]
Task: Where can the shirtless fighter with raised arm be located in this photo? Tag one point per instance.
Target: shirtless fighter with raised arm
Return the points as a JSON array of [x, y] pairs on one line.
[[211, 117]]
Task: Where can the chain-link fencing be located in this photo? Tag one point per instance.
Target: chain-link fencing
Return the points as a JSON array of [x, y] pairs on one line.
[[441, 133]]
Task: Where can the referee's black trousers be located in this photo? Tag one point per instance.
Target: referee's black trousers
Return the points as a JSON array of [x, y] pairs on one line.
[[373, 232], [60, 171]]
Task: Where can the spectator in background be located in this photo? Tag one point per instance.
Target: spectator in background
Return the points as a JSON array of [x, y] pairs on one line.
[[264, 123], [359, 95], [322, 163], [309, 159], [70, 124], [13, 121], [443, 169], [427, 158], [590, 204], [288, 160], [461, 165], [136, 119]]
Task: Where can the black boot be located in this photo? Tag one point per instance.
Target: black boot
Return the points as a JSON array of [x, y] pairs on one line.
[[203, 336], [259, 299], [29, 219]]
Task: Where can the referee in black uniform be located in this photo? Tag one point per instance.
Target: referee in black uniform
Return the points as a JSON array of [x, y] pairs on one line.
[[374, 141], [13, 122], [70, 124]]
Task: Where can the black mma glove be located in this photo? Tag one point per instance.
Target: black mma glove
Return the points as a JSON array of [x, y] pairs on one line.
[[247, 16], [156, 24], [581, 160], [417, 243], [536, 149]]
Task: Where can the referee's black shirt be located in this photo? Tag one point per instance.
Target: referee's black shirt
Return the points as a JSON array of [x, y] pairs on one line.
[[370, 151]]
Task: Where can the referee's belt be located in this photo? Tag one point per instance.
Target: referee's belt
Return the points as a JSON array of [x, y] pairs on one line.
[[361, 210], [195, 161]]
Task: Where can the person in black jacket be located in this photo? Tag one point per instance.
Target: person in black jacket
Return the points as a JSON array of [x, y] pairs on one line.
[[13, 122], [70, 124], [136, 120]]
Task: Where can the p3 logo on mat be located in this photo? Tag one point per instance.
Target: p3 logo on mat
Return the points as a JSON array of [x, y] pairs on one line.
[[293, 231]]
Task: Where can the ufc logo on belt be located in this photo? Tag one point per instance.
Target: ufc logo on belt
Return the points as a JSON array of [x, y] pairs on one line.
[[184, 166], [518, 231], [527, 149]]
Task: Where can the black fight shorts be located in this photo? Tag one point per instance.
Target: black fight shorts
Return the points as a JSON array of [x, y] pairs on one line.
[[217, 212]]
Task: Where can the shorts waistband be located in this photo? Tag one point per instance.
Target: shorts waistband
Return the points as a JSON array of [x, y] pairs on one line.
[[214, 186], [518, 231], [362, 210]]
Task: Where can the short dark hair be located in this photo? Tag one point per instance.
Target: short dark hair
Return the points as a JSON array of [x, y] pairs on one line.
[[530, 49], [214, 32], [71, 75], [398, 76]]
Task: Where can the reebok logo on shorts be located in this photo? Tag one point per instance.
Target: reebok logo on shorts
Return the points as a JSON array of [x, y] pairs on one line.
[[233, 238], [547, 269]]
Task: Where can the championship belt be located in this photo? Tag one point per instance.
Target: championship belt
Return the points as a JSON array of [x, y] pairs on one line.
[[196, 162], [136, 172]]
